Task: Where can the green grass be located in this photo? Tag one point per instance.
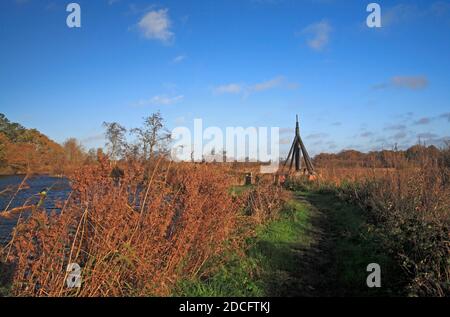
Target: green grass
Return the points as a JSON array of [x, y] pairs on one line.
[[275, 249], [269, 254], [281, 258], [356, 245]]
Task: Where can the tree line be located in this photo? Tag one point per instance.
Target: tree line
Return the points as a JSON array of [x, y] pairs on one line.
[[413, 156], [25, 150]]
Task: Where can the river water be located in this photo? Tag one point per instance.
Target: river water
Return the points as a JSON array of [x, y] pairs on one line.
[[57, 189]]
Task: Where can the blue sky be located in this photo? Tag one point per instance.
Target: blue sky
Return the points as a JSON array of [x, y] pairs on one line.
[[231, 63]]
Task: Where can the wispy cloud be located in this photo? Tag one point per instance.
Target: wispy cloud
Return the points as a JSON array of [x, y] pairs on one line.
[[423, 121], [266, 85], [315, 136], [367, 134], [399, 136], [161, 100], [246, 90], [406, 13], [396, 127], [399, 14], [228, 89], [93, 138], [407, 82], [428, 120], [156, 25], [411, 82], [318, 35], [179, 59]]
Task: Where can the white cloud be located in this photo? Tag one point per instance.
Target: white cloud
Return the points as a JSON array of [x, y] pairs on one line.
[[318, 35], [266, 85], [407, 13], [93, 138], [179, 59], [246, 90], [161, 100], [399, 14], [228, 89], [156, 25]]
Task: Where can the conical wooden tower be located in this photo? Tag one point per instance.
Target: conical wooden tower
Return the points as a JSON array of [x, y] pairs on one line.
[[297, 151]]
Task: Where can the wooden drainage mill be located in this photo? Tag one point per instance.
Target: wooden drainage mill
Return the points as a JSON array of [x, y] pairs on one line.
[[297, 158]]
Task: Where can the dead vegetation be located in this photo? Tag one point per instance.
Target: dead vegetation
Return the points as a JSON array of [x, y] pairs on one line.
[[408, 205], [137, 235]]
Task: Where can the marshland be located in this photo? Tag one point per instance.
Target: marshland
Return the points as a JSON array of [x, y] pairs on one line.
[[249, 148], [141, 224]]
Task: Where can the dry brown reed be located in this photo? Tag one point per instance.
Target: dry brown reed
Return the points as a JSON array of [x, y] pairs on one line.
[[135, 235]]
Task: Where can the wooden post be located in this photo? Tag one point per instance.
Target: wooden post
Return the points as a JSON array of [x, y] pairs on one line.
[[248, 179]]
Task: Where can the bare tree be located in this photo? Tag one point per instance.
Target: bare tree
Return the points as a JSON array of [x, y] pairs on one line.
[[153, 136], [115, 134]]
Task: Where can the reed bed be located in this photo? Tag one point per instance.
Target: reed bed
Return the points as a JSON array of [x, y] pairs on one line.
[[134, 235]]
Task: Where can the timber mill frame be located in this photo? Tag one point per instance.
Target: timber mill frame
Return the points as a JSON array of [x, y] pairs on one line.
[[297, 151]]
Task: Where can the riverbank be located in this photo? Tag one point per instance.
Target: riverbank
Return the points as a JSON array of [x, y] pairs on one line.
[[13, 200]]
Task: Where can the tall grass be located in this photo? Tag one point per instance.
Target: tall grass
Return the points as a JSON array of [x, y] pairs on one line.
[[133, 236]]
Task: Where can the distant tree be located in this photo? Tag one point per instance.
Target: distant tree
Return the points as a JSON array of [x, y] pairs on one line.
[[73, 152], [11, 129], [27, 150], [152, 136], [91, 156], [115, 134], [3, 148]]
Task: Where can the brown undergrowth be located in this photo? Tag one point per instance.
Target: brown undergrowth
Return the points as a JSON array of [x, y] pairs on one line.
[[135, 235], [409, 209]]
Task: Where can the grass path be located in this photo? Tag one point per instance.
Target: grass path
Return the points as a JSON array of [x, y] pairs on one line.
[[335, 263], [319, 247]]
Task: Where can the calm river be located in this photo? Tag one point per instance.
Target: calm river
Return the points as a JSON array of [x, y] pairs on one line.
[[58, 189]]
